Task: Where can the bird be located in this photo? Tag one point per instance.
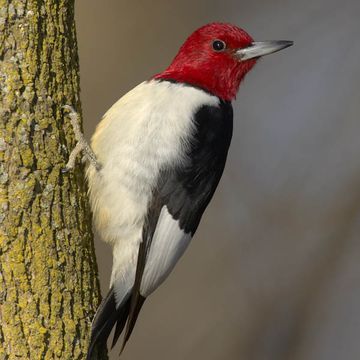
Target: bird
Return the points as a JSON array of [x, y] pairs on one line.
[[161, 151]]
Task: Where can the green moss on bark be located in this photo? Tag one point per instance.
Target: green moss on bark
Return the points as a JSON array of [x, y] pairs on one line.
[[48, 275]]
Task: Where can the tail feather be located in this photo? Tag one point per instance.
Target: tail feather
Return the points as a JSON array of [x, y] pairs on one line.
[[136, 300], [126, 313], [133, 315], [105, 318], [120, 324]]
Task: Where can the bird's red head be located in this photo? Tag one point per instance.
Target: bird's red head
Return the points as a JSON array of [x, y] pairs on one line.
[[208, 60], [216, 57]]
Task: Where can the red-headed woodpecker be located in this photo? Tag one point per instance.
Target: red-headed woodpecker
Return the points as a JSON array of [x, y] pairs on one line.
[[161, 151]]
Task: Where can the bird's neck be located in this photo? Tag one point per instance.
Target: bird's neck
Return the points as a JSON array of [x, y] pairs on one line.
[[205, 81], [223, 82]]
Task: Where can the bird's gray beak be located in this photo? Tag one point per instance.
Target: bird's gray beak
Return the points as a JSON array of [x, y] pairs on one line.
[[261, 48]]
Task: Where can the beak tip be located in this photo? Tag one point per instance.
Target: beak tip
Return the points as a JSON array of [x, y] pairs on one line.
[[288, 43], [261, 48]]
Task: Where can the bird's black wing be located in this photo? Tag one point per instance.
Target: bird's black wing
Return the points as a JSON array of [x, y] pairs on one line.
[[186, 190]]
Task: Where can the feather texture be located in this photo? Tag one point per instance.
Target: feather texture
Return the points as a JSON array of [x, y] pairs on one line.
[[162, 148]]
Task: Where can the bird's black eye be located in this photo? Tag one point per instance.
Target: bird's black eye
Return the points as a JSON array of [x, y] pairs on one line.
[[218, 45]]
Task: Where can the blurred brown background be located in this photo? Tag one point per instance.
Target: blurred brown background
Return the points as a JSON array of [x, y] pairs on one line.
[[274, 270]]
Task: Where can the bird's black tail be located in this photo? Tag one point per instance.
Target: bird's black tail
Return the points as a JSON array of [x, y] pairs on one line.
[[108, 314], [127, 312]]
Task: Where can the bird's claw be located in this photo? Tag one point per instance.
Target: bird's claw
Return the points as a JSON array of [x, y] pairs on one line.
[[81, 144]]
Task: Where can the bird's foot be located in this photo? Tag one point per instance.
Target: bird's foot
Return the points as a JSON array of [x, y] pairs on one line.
[[81, 145]]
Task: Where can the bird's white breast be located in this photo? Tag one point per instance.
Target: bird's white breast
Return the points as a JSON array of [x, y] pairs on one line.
[[147, 129]]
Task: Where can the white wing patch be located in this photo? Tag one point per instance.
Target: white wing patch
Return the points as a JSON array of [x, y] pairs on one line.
[[168, 244]]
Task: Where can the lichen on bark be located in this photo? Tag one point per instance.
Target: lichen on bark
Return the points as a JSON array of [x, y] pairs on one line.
[[48, 274]]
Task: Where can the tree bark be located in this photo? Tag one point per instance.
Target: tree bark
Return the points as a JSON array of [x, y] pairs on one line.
[[49, 288]]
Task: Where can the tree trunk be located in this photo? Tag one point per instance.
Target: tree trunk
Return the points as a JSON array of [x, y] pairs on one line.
[[48, 275]]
